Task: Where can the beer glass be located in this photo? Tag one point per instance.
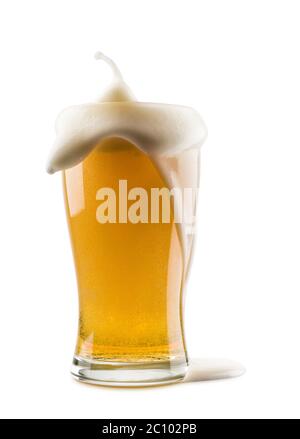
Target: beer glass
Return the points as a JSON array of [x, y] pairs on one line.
[[131, 270]]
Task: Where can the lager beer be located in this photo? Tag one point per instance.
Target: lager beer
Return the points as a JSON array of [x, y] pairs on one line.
[[128, 172], [130, 275]]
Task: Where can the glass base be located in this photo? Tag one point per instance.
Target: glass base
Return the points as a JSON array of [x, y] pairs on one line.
[[119, 374]]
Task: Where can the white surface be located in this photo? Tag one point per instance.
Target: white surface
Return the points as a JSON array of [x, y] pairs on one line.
[[238, 63]]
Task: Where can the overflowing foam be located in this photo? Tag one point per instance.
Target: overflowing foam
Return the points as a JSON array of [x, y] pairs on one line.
[[162, 131], [157, 129]]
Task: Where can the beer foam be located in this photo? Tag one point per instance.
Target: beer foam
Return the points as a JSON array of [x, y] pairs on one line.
[[162, 131], [156, 129]]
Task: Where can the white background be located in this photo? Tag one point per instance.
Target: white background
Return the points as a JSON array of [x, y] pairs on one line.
[[237, 62]]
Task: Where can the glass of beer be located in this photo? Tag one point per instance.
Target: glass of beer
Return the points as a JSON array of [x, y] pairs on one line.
[[130, 178], [131, 274]]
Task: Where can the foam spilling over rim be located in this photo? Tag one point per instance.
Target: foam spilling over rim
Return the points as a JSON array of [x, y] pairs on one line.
[[156, 129], [162, 131]]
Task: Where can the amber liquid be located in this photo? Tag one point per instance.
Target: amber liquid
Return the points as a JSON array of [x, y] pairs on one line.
[[129, 275]]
